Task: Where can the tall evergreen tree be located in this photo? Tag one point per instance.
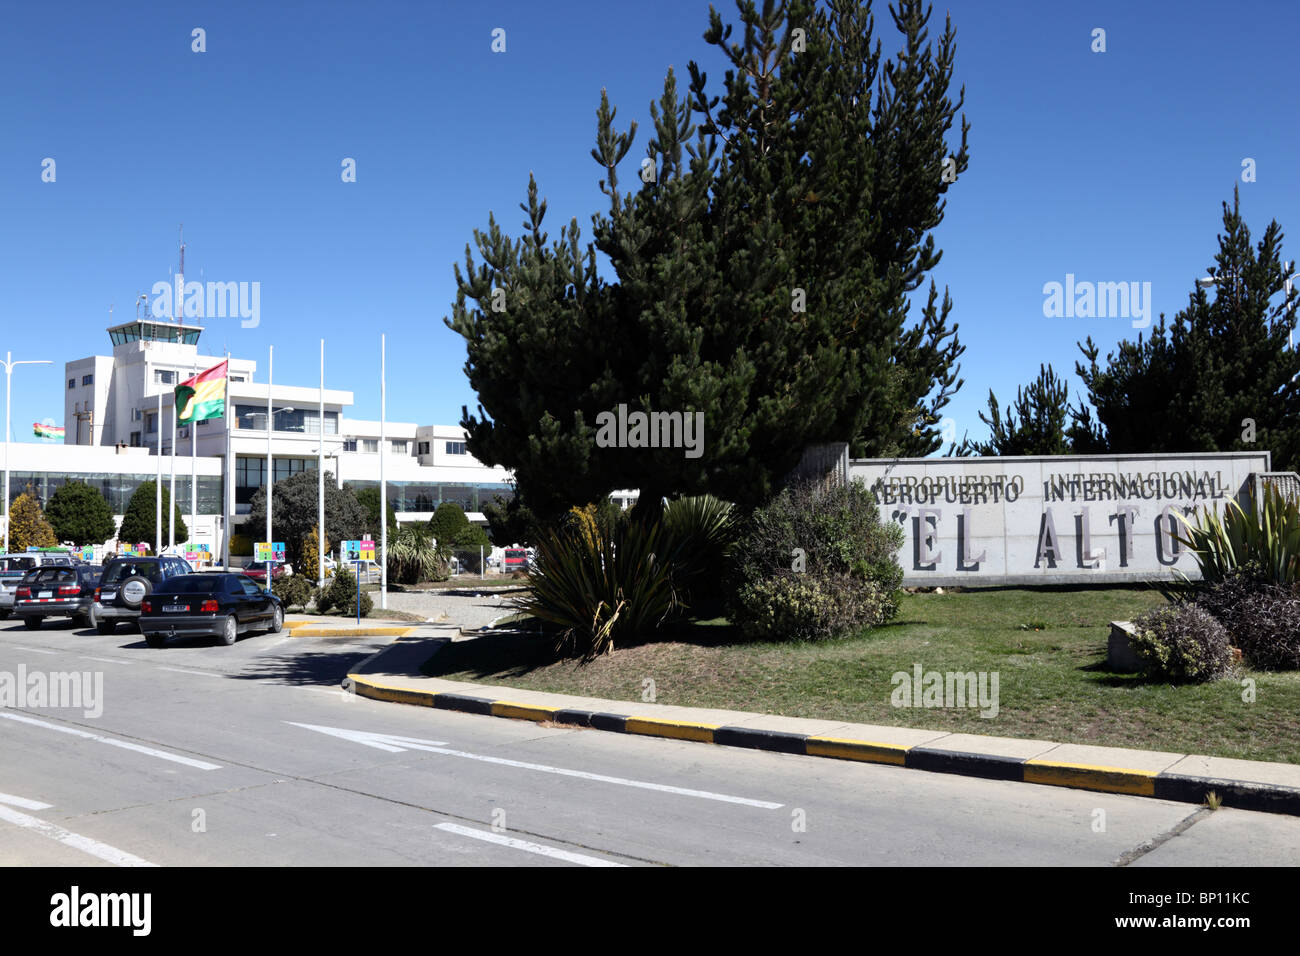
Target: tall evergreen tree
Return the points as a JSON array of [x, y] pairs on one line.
[[763, 270], [141, 511], [1221, 377], [79, 513], [1034, 424], [27, 525]]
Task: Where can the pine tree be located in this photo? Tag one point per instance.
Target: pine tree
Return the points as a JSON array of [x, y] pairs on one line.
[[1220, 377], [763, 273], [1035, 423], [138, 524], [27, 525], [79, 513]]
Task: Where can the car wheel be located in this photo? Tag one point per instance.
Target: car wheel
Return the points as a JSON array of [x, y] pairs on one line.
[[32, 623], [277, 622], [106, 627], [155, 640], [229, 631]]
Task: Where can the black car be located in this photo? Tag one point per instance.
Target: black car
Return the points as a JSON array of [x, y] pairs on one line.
[[125, 585], [57, 591], [219, 604]]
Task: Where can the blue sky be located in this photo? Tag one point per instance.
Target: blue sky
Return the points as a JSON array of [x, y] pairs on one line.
[[1111, 166]]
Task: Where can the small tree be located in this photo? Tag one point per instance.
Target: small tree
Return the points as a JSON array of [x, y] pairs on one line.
[[27, 525], [309, 563], [79, 513], [368, 498], [452, 529], [1035, 424], [295, 511], [138, 522]]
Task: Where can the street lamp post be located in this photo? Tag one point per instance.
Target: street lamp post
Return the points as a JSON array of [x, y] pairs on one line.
[[9, 371]]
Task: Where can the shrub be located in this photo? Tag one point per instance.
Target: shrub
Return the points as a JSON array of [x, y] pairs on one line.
[[1268, 631], [341, 594], [1226, 597], [601, 591], [802, 607], [1265, 533], [702, 532], [1182, 642], [294, 590], [310, 559], [412, 557], [831, 539], [241, 546]]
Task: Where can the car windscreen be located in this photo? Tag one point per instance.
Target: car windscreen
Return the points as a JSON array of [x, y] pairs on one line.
[[193, 584], [118, 572], [17, 564]]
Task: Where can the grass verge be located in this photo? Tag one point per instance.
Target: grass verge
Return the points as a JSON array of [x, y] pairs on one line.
[[1047, 646]]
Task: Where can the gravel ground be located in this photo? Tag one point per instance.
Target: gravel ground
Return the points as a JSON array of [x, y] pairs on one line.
[[469, 609]]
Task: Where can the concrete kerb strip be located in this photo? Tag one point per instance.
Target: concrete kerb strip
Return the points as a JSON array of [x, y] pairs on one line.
[[1165, 776]]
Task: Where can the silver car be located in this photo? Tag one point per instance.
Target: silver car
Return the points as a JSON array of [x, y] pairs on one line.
[[14, 566]]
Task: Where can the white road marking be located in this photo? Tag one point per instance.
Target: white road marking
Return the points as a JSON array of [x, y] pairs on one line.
[[394, 743], [124, 744], [23, 802], [103, 851], [182, 670], [32, 650], [517, 844], [106, 660]]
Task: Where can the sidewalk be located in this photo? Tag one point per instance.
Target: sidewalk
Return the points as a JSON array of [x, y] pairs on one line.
[[393, 674]]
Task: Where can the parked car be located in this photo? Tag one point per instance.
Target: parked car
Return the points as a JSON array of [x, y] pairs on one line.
[[126, 583], [516, 559], [220, 604], [258, 572], [14, 566], [55, 590]]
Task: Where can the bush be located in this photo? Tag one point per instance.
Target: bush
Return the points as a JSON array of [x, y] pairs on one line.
[[310, 555], [294, 590], [341, 594], [802, 607], [1225, 598], [412, 557], [241, 546], [702, 532], [1182, 642], [1266, 533], [602, 591], [818, 550], [1268, 631]]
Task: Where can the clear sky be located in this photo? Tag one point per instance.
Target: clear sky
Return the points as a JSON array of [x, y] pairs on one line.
[[1109, 166]]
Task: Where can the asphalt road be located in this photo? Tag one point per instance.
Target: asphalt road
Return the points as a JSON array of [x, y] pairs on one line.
[[252, 755]]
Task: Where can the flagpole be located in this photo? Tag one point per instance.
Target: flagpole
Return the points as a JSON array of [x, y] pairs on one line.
[[228, 488], [194, 465], [171, 489], [157, 485], [320, 475], [383, 487], [270, 470]]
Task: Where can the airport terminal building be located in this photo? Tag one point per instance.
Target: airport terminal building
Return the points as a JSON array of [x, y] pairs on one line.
[[115, 438]]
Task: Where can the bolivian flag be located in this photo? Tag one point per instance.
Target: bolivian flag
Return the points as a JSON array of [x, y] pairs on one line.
[[47, 431], [203, 396]]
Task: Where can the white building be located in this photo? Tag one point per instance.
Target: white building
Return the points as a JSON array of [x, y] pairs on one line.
[[115, 436]]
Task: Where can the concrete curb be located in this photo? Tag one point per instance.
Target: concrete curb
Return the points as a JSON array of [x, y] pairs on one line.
[[1163, 784]]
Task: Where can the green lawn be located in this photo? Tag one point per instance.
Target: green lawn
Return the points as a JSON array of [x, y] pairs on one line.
[[1047, 646]]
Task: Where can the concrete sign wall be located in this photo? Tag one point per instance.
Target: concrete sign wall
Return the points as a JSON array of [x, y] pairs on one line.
[[1052, 519]]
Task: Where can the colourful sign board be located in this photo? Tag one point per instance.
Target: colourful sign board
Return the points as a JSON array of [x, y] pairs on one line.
[[353, 551], [269, 551]]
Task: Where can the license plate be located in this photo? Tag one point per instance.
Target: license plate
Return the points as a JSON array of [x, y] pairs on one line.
[[175, 608], [46, 594], [107, 595]]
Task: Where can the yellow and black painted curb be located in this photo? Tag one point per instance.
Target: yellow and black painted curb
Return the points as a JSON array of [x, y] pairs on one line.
[[1240, 794], [310, 629]]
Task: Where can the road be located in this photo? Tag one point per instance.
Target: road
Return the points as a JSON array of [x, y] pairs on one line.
[[252, 755]]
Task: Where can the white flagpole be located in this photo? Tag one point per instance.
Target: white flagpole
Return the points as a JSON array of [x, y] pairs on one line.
[[320, 475], [171, 490], [383, 486], [270, 470], [228, 489], [157, 485], [194, 466]]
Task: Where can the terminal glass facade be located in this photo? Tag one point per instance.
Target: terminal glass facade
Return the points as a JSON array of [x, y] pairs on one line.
[[426, 496], [117, 489]]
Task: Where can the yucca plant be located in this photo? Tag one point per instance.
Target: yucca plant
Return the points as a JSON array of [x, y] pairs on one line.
[[412, 557], [1268, 534], [701, 532], [602, 591]]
